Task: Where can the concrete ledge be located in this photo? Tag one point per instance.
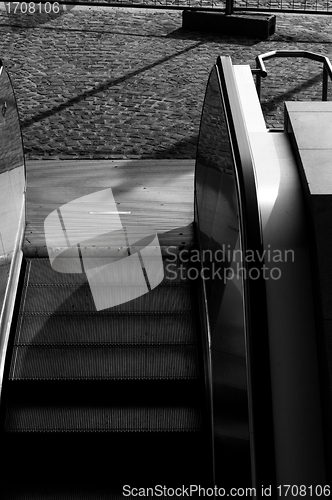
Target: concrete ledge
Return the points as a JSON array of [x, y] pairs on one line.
[[256, 25], [309, 126]]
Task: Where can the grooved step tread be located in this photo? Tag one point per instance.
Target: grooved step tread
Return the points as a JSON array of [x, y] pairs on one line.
[[106, 329], [79, 298], [155, 392], [86, 418], [100, 362], [40, 271]]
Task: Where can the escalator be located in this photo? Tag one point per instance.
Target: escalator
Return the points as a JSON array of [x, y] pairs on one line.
[[122, 376], [98, 400], [97, 397], [93, 396]]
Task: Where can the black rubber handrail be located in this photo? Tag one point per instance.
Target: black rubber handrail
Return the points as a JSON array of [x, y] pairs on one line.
[[261, 72], [257, 343]]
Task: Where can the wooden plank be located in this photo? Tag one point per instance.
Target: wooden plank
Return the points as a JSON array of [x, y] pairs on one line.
[[161, 181], [85, 173], [157, 193], [172, 195], [102, 164], [181, 237], [166, 251]]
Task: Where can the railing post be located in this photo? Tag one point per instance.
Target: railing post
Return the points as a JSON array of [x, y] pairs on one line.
[[257, 73], [229, 7], [325, 81], [258, 80], [258, 85]]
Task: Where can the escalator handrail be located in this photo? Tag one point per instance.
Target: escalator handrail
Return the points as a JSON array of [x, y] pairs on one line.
[[6, 313], [257, 343]]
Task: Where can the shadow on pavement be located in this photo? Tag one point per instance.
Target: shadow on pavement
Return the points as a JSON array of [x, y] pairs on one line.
[[274, 102], [18, 18], [102, 87], [181, 34]]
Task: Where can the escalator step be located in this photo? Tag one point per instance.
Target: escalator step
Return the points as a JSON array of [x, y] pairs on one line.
[[87, 418], [75, 297], [96, 400], [102, 362], [40, 272], [108, 329], [147, 392]]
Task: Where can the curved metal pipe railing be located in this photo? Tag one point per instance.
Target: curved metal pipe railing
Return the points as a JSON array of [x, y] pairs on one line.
[[261, 72]]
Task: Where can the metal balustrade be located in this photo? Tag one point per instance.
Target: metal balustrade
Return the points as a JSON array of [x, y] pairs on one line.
[[260, 71], [228, 6]]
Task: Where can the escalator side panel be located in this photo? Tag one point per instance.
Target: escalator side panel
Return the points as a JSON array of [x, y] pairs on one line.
[[12, 209], [219, 238], [228, 224]]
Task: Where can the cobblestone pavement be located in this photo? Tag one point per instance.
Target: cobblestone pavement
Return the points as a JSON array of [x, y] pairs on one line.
[[129, 83]]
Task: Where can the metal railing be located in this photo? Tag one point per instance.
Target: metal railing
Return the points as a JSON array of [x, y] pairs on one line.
[[227, 6], [260, 71], [295, 6]]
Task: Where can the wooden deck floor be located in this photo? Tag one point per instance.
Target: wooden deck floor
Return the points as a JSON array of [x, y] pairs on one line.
[[157, 193]]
